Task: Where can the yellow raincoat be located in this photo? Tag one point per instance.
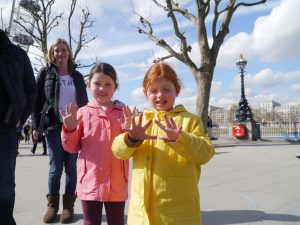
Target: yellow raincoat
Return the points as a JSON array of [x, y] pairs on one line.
[[165, 176]]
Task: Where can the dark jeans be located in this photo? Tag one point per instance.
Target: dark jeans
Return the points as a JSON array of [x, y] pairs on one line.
[[92, 212], [8, 154], [59, 158]]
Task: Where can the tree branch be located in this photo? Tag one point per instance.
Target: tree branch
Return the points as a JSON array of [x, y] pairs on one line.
[[184, 47], [159, 42]]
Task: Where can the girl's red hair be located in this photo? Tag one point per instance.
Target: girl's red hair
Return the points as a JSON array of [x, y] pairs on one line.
[[161, 71]]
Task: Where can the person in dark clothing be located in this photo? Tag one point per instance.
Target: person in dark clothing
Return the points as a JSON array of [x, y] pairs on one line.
[[58, 85], [209, 129], [20, 137], [35, 143], [26, 130], [17, 97]]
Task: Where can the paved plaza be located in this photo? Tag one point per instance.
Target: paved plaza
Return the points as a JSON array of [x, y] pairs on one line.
[[255, 183]]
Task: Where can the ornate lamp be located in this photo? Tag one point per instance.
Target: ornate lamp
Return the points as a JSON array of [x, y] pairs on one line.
[[244, 111]]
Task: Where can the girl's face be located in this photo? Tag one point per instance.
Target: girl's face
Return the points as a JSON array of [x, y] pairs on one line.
[[61, 53], [161, 95], [102, 88]]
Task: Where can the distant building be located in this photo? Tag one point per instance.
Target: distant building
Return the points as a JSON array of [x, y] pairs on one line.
[[214, 108], [287, 113], [269, 112], [218, 115], [269, 105]]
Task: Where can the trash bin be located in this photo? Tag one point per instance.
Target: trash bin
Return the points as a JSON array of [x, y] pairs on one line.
[[239, 130]]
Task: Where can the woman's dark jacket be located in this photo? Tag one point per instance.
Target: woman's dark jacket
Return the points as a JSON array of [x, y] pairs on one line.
[[48, 88], [18, 79]]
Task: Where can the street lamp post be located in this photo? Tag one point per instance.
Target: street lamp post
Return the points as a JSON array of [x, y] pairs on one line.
[[243, 114]]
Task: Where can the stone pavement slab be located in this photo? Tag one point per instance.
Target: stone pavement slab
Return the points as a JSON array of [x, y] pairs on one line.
[[254, 183]]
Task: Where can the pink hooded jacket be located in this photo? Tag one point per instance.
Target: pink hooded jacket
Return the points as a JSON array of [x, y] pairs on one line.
[[100, 175]]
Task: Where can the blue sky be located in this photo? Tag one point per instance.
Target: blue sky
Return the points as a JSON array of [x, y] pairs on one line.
[[267, 35]]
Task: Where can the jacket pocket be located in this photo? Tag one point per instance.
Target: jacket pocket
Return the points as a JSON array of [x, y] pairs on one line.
[[137, 192], [49, 118], [181, 197]]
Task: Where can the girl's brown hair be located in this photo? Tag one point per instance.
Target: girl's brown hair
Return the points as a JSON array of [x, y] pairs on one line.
[[71, 62], [107, 69], [159, 71]]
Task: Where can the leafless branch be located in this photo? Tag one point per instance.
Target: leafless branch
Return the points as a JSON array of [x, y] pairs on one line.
[[161, 59], [72, 9], [184, 46], [83, 39]]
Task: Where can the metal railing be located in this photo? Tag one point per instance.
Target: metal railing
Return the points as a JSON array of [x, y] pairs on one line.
[[286, 130]]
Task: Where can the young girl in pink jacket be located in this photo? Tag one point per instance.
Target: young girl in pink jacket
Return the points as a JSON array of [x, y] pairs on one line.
[[102, 179]]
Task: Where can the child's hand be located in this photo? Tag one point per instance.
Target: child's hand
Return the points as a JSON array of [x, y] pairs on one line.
[[172, 132], [137, 131], [70, 120], [127, 116]]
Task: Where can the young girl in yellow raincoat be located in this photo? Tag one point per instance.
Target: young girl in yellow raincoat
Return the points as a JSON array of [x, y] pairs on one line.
[[168, 146]]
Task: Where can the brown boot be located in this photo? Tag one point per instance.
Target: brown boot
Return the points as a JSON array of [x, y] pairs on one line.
[[68, 209], [53, 205]]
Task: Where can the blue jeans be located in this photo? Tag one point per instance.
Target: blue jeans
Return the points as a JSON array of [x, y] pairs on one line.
[[8, 154], [58, 159]]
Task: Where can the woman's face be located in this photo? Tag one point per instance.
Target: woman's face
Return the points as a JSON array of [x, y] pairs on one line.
[[102, 88], [61, 54], [161, 95]]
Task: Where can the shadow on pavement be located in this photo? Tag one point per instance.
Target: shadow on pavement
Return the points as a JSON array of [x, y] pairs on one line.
[[224, 217]]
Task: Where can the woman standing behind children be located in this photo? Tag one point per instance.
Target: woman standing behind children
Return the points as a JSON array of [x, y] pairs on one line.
[[168, 146], [102, 178], [58, 85]]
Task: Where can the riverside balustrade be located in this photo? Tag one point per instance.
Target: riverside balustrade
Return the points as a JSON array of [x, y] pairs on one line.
[[273, 130]]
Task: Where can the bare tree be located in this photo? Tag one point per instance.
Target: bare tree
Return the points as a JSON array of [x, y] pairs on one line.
[[44, 21], [203, 74], [83, 39]]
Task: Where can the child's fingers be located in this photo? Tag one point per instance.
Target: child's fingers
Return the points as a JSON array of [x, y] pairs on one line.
[[133, 122], [173, 122], [134, 112], [73, 108], [62, 114], [67, 109], [140, 118], [160, 125], [167, 121], [147, 125]]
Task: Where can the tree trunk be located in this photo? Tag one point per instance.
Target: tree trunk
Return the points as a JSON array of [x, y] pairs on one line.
[[204, 80]]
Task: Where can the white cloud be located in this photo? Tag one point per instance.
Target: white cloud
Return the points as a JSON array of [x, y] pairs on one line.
[[5, 7], [187, 92], [138, 95], [296, 88], [141, 65], [274, 37], [129, 76], [127, 49], [216, 86], [233, 48], [277, 35], [266, 78], [188, 102]]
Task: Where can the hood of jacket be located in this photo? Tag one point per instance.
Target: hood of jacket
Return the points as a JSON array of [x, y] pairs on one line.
[[114, 105], [149, 114]]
